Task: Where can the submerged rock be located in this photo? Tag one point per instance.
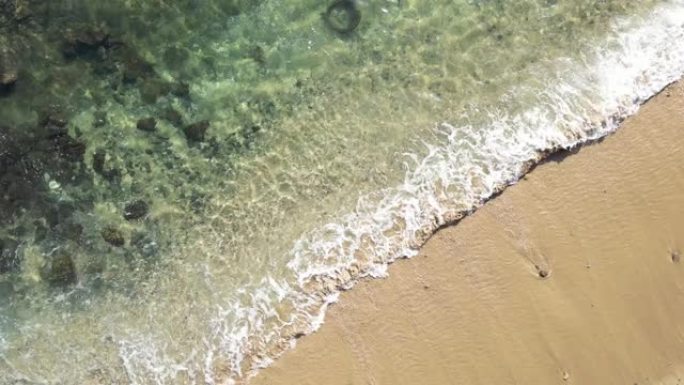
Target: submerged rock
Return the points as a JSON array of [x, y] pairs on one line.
[[99, 166], [173, 116], [61, 270], [135, 67], [195, 132], [147, 124], [33, 162], [153, 89], [113, 236], [53, 122], [8, 76], [69, 148], [85, 42], [9, 70], [58, 141], [257, 54], [135, 210], [181, 90]]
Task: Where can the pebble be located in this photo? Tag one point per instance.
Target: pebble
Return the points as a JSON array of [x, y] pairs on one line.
[[195, 131], [135, 210], [113, 236], [147, 124]]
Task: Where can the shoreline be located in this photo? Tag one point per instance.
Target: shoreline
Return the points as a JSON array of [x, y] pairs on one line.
[[409, 291]]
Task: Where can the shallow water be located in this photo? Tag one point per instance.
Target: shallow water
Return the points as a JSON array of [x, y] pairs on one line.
[[327, 156]]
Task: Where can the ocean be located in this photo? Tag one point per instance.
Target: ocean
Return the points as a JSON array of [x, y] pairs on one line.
[[188, 185]]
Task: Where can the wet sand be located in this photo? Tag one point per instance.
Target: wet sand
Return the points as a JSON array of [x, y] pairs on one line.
[[571, 276]]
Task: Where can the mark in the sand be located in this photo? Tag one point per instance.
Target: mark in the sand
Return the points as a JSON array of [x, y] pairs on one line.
[[542, 272], [676, 256], [299, 335]]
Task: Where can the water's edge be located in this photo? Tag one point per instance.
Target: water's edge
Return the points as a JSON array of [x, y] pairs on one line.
[[428, 233], [631, 77]]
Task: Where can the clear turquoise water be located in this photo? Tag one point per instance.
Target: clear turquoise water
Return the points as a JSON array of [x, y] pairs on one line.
[[327, 156]]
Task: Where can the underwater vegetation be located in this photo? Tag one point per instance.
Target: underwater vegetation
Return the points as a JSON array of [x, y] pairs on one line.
[[98, 116]]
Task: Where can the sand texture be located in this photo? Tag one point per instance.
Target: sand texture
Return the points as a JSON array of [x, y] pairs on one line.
[[571, 276]]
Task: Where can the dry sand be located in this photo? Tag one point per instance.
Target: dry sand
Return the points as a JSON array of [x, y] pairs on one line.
[[606, 225]]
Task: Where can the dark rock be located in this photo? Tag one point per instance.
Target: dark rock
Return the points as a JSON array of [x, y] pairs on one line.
[[257, 54], [195, 132], [9, 70], [55, 139], [342, 16], [174, 117], [676, 256], [53, 123], [135, 67], [26, 156], [181, 90], [147, 124], [61, 270], [113, 236], [53, 116], [135, 210], [6, 90], [69, 148], [85, 42], [99, 160], [153, 89]]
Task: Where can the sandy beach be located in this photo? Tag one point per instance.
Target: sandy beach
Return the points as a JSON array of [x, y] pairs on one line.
[[571, 276]]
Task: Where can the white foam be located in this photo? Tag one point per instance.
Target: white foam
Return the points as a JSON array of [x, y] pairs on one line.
[[584, 101]]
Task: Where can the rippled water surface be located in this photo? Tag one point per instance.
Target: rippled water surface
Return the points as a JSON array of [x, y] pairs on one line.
[[184, 184]]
